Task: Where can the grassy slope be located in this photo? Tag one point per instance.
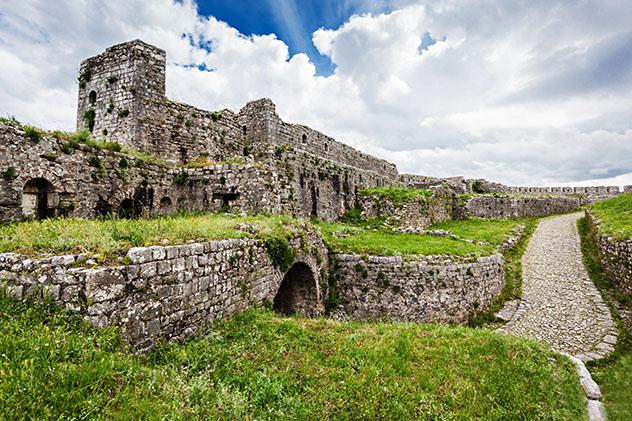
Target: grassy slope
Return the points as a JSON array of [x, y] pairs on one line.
[[350, 238], [615, 215], [259, 365], [613, 374], [115, 236]]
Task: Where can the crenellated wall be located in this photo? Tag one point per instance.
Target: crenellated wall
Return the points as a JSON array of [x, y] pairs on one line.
[[506, 206]]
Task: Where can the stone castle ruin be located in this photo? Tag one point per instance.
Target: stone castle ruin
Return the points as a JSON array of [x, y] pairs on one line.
[[155, 157]]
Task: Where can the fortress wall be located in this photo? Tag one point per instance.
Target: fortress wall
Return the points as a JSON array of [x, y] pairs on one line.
[[278, 132], [88, 182], [116, 85], [165, 293], [615, 255], [416, 214], [318, 187], [490, 206], [427, 290]]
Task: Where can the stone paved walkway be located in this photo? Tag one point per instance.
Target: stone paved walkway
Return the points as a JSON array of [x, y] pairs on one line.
[[560, 304]]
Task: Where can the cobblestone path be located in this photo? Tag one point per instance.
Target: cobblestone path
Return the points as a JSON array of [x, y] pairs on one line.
[[560, 304]]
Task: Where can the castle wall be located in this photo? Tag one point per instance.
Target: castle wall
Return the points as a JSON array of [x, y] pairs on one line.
[[427, 290], [165, 293], [417, 213], [261, 121], [615, 255], [117, 86], [492, 206], [88, 182]]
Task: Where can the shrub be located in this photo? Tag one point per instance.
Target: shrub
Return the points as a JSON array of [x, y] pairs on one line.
[[123, 113], [84, 77], [10, 174], [69, 146], [49, 156], [181, 178], [32, 133], [88, 119], [216, 115], [280, 252], [96, 162]]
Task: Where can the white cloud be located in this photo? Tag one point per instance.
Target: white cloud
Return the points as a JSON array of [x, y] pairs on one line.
[[519, 92]]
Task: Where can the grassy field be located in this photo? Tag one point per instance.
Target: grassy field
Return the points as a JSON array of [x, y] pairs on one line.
[[113, 237], [369, 238], [261, 366], [615, 215], [613, 374]]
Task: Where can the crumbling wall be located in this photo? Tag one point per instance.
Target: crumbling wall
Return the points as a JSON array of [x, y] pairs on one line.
[[508, 206], [90, 181], [417, 213], [431, 289], [164, 293], [615, 255]]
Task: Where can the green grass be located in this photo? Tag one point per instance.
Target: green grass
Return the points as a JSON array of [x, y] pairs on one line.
[[113, 237], [397, 195], [615, 215], [374, 240], [513, 275], [258, 365], [613, 374]]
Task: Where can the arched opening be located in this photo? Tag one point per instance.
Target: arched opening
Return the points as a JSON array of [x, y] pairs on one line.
[[304, 138], [128, 209], [38, 199], [102, 209], [297, 293], [166, 205], [92, 98], [244, 130]]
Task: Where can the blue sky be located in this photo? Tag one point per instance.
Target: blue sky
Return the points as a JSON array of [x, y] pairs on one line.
[[293, 21], [532, 92]]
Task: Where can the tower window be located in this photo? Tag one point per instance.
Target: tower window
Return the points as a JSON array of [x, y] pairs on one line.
[[304, 138], [92, 97]]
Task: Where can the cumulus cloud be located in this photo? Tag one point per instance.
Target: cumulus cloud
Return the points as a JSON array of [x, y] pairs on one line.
[[521, 92]]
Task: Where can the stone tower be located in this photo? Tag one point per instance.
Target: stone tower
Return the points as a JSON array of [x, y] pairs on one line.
[[118, 90]]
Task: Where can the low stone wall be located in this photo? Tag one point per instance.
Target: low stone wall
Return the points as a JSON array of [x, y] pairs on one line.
[[491, 206], [615, 255], [414, 214], [167, 293], [432, 289]]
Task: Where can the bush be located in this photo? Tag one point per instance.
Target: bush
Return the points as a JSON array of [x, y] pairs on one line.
[[88, 119], [280, 252], [32, 133], [10, 174], [123, 113]]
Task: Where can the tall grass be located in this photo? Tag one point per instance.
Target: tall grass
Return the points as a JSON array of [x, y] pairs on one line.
[[260, 366]]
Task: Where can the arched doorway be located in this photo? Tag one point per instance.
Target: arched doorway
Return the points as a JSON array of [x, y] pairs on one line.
[[297, 293], [128, 209], [38, 199]]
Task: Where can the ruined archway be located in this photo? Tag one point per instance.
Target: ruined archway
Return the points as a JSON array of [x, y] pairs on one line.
[[297, 293], [38, 198], [128, 209]]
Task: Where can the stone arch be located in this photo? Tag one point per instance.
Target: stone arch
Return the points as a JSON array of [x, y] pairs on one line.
[[298, 292], [38, 199], [92, 98], [166, 204], [304, 138]]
